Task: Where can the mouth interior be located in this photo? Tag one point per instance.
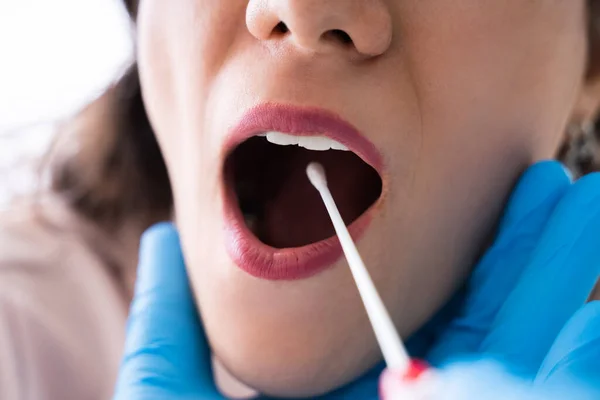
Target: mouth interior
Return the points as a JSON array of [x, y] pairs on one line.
[[279, 204]]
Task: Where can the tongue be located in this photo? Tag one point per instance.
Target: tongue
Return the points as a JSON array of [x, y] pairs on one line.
[[295, 215]]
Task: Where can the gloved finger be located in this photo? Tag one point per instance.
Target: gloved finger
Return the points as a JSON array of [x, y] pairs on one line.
[[166, 353], [575, 354], [529, 208], [536, 184], [559, 278]]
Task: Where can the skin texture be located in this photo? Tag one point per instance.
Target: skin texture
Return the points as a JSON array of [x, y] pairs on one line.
[[458, 96]]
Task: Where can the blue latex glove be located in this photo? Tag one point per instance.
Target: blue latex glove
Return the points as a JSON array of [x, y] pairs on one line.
[[166, 353], [536, 275], [570, 371]]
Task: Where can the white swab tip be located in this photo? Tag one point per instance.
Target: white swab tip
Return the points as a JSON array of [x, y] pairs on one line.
[[316, 175]]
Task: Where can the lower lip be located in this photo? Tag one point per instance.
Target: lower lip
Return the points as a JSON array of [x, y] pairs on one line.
[[266, 262]]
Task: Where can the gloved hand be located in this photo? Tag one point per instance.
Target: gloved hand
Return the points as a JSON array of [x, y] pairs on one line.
[[530, 282], [525, 305], [569, 371]]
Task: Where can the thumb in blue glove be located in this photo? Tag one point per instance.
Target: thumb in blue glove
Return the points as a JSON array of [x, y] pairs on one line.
[[166, 354]]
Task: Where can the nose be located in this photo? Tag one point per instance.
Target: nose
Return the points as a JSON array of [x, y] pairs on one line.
[[321, 25]]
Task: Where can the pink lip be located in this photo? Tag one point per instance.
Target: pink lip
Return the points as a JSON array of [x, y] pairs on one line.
[[249, 253]]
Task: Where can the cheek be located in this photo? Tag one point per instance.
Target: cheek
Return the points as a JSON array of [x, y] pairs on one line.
[[495, 89], [156, 75], [181, 48], [515, 66]]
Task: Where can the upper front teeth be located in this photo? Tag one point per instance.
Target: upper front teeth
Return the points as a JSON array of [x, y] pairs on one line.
[[308, 142]]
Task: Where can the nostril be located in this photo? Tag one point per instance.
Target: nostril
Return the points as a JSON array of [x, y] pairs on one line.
[[338, 35], [281, 28]]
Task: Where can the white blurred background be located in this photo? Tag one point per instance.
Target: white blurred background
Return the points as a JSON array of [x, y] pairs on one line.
[[55, 55]]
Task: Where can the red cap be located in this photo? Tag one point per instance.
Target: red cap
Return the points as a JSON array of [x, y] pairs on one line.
[[391, 379], [415, 369]]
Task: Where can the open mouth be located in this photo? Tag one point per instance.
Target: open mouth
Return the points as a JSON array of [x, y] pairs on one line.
[[280, 206], [279, 226]]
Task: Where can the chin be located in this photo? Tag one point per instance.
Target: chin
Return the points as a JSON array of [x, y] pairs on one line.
[[304, 371]]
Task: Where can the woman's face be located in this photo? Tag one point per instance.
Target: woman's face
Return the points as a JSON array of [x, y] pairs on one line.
[[441, 104]]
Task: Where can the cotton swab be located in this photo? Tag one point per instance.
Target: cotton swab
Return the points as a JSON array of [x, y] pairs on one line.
[[394, 352]]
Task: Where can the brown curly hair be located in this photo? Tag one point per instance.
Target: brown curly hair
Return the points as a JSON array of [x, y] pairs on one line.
[[118, 172]]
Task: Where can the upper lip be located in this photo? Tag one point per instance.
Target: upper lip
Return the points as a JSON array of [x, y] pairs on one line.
[[303, 121]]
